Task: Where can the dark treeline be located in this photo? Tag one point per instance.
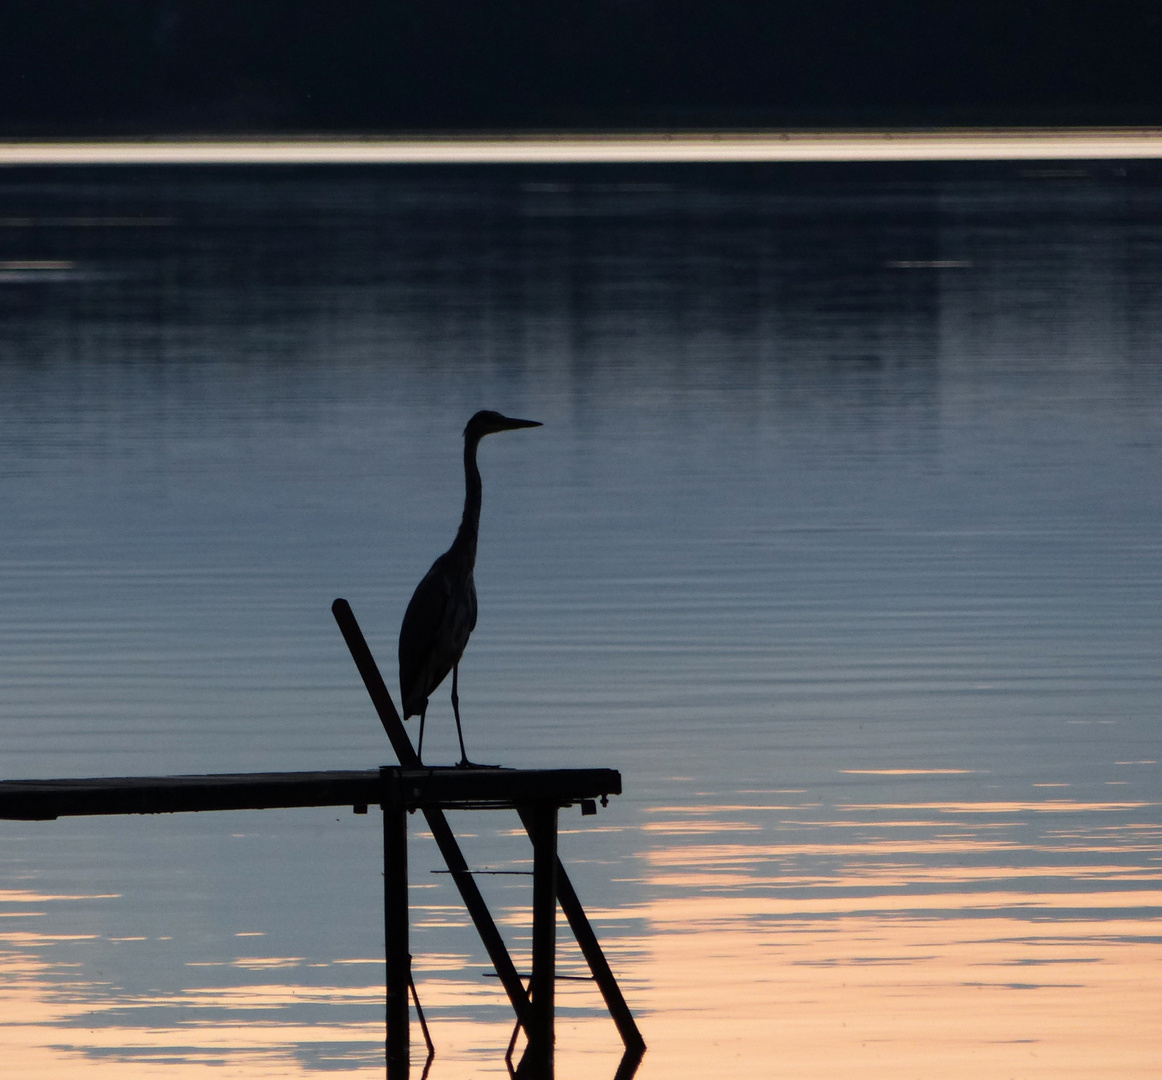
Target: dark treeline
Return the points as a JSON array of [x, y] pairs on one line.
[[105, 67]]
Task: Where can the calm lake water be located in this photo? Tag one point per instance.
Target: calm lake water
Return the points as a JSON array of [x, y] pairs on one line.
[[841, 540]]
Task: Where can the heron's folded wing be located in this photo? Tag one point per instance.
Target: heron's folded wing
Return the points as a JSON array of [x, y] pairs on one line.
[[421, 634]]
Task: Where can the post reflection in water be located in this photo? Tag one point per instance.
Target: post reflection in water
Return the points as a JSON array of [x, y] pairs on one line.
[[840, 541]]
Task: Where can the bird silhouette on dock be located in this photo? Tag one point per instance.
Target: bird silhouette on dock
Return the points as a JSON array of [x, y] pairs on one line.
[[441, 614]]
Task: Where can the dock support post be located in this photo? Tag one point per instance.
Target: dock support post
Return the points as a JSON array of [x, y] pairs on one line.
[[537, 1062], [395, 927], [594, 956]]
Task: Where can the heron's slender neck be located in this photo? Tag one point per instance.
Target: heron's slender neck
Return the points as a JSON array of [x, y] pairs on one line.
[[470, 522]]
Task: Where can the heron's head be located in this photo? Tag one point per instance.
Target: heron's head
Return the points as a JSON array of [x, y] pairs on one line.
[[487, 422]]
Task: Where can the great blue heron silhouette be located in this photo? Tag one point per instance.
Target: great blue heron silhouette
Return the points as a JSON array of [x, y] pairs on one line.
[[442, 611]]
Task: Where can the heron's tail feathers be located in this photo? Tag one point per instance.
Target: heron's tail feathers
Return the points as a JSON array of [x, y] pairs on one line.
[[414, 707]]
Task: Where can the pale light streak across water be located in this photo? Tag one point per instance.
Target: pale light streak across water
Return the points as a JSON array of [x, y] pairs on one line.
[[1015, 144]]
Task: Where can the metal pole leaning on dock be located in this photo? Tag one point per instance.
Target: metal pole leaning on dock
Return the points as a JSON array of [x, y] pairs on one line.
[[535, 1007], [437, 822]]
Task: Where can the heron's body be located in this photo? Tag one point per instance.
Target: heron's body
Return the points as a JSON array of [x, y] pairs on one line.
[[436, 627], [442, 612]]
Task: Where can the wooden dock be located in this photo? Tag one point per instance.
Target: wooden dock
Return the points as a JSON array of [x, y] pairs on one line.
[[415, 789], [536, 794]]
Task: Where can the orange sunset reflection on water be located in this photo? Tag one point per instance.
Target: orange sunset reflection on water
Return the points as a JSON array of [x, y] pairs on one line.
[[919, 951], [773, 939]]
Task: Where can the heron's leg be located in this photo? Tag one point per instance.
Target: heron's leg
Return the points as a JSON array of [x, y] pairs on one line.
[[420, 749], [456, 709]]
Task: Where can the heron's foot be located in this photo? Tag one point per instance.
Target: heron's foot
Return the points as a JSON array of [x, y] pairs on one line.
[[464, 763]]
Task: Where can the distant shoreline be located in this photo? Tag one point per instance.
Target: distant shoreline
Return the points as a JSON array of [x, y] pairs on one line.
[[997, 144]]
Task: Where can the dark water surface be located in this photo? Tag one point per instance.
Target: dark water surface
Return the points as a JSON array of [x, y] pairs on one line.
[[841, 540]]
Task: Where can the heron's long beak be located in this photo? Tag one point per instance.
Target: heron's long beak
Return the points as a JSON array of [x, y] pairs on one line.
[[511, 423]]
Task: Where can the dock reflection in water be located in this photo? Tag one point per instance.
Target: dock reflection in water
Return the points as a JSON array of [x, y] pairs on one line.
[[841, 544]]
